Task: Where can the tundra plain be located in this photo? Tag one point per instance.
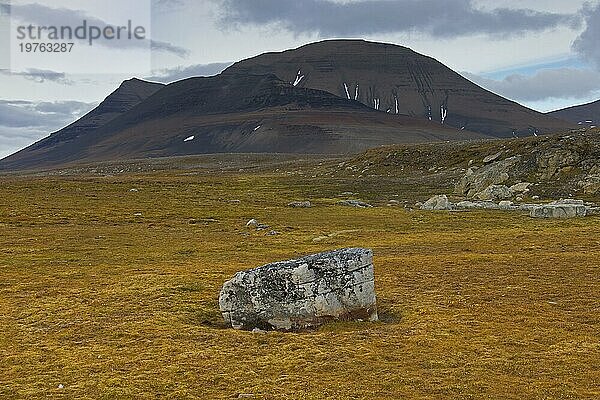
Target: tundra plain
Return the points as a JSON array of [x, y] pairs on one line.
[[109, 279]]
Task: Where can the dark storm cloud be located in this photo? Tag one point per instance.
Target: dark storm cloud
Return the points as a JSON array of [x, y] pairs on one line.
[[587, 45], [46, 16], [560, 83], [447, 18], [176, 74]]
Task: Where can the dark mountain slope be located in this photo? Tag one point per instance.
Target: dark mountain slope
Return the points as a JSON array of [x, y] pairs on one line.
[[237, 113], [585, 114], [398, 80]]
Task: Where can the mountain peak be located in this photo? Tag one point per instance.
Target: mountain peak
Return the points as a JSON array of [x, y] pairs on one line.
[[398, 80]]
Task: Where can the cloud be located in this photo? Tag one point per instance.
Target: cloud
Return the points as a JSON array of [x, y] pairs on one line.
[[559, 83], [4, 9], [20, 113], [41, 15], [168, 4], [24, 122], [440, 19], [169, 48], [587, 45], [15, 139], [40, 75], [178, 73]]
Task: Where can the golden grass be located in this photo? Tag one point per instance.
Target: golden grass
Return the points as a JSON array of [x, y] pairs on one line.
[[114, 305]]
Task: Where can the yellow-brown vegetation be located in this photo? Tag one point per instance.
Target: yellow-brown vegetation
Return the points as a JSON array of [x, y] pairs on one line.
[[112, 293]]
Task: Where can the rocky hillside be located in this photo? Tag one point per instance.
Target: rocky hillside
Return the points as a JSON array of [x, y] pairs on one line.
[[548, 167]]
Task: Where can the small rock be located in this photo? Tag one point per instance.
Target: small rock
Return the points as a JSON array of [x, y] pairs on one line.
[[61, 386], [300, 204], [468, 204], [492, 158], [354, 203], [568, 202], [520, 187], [254, 224], [437, 203]]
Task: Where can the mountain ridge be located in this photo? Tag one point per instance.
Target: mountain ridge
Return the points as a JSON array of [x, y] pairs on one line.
[[584, 114]]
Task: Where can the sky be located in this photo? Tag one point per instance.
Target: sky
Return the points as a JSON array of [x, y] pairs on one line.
[[542, 53]]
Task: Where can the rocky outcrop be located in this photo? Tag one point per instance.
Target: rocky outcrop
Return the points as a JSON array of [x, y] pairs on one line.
[[304, 293], [477, 180], [555, 160], [590, 184], [559, 209], [495, 193], [520, 188], [438, 203]]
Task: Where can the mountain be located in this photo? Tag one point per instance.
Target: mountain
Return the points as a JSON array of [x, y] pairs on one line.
[[61, 144], [398, 80], [337, 96], [228, 113], [585, 114]]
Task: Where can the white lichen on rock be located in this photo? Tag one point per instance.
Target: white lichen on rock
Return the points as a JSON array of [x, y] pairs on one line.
[[304, 293]]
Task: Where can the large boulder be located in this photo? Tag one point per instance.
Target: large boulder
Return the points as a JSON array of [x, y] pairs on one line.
[[304, 293], [437, 203], [560, 209]]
